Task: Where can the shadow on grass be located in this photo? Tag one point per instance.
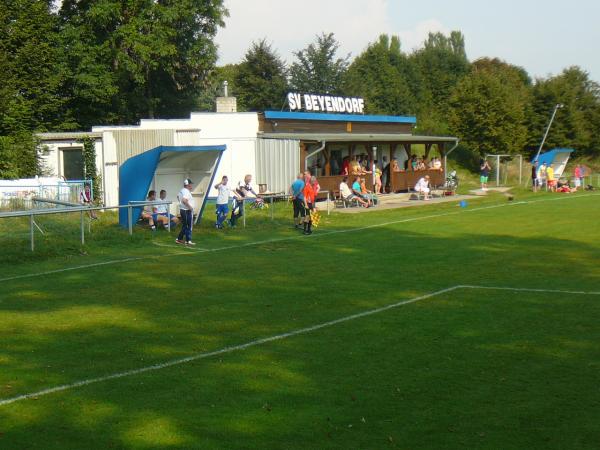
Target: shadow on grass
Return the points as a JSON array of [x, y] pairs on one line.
[[428, 375]]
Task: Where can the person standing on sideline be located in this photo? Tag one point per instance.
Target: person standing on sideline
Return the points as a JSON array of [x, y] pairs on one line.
[[309, 203], [297, 192], [186, 209], [577, 176], [484, 174], [243, 189], [222, 208], [550, 180], [534, 180], [541, 175]]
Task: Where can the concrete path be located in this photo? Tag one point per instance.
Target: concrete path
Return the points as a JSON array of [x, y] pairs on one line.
[[394, 201]]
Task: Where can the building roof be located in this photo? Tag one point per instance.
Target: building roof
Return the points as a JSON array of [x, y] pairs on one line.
[[359, 137], [548, 157], [284, 115], [68, 135]]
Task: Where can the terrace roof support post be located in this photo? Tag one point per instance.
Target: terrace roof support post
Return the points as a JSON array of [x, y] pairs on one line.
[[427, 151], [373, 158], [313, 153], [446, 155]]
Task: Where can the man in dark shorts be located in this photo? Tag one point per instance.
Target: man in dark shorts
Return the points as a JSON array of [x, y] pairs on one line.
[[297, 191], [534, 181]]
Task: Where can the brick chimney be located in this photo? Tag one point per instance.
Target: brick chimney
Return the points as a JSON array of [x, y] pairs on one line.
[[226, 104]]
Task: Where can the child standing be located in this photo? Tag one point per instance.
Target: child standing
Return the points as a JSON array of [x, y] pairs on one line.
[[222, 202]]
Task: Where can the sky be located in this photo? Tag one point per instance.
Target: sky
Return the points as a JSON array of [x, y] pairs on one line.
[[543, 36]]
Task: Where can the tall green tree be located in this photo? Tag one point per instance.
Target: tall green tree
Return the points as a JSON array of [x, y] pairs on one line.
[[317, 67], [488, 108], [442, 62], [131, 59], [379, 75], [31, 82], [32, 70], [576, 124], [261, 79]]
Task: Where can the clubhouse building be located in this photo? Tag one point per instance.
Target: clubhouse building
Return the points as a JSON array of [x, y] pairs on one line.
[[318, 134]]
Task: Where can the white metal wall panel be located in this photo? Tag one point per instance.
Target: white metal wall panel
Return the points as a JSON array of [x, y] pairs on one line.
[[277, 163], [133, 142], [187, 137]]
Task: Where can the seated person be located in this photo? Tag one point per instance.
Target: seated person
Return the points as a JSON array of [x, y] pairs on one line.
[[437, 164], [421, 165], [395, 166], [347, 194], [148, 211], [422, 186], [364, 191], [356, 190], [86, 199], [163, 211]]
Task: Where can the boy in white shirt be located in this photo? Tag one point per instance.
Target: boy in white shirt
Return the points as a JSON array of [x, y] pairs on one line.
[[186, 210], [222, 202]]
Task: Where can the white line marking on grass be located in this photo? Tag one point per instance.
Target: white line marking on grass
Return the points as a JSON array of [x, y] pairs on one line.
[[546, 291], [278, 337], [230, 349], [291, 238]]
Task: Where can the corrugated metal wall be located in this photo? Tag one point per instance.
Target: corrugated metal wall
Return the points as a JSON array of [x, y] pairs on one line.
[[277, 163], [187, 137], [133, 142]]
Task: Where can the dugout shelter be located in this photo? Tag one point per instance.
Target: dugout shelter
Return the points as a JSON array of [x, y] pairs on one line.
[[165, 167]]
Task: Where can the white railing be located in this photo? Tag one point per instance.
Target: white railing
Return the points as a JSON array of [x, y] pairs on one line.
[[74, 209]]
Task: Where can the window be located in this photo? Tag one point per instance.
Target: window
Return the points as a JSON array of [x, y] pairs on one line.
[[73, 164]]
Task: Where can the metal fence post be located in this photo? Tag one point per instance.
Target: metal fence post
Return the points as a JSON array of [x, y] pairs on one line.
[[82, 228], [130, 219], [327, 202], [31, 231], [271, 207]]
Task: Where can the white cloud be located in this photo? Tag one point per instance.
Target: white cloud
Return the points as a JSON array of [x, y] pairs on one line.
[[290, 25], [413, 39]]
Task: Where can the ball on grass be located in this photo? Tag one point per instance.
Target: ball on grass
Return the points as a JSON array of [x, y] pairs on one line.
[[463, 204]]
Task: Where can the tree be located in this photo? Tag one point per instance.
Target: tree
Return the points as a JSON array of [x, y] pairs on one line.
[[32, 70], [379, 76], [260, 81], [133, 59], [31, 83], [442, 63], [575, 124], [206, 100], [488, 108], [317, 69]]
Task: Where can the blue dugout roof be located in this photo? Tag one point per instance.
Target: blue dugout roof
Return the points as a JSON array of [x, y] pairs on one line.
[[549, 157], [283, 115], [136, 174]]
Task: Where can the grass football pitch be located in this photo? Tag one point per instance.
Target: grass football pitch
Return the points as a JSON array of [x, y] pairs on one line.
[[423, 328]]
